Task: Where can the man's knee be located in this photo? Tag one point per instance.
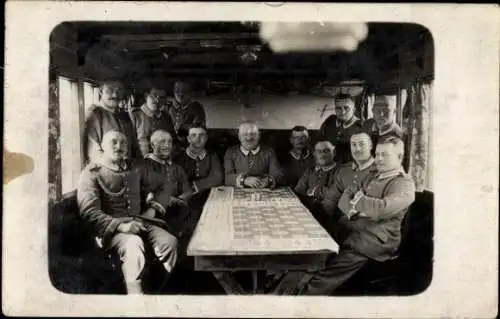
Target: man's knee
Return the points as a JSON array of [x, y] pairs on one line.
[[130, 246]]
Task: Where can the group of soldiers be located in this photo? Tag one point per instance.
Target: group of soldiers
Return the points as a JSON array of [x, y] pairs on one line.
[[149, 173]]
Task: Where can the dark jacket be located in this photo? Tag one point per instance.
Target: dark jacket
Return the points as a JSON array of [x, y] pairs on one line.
[[333, 131], [203, 173], [145, 123], [102, 120]]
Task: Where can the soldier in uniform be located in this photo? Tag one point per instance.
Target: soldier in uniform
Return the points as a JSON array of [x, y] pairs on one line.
[[151, 116], [339, 127], [316, 180], [349, 176], [249, 164], [202, 167], [185, 111], [160, 161], [299, 158], [383, 123], [375, 212], [111, 197], [108, 116]]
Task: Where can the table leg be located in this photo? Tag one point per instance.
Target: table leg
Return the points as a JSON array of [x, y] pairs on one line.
[[255, 282], [227, 281]]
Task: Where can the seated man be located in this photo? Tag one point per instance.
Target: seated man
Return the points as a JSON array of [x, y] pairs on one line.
[[339, 127], [383, 123], [299, 158], [203, 167], [109, 198], [160, 162], [349, 176], [249, 164], [151, 116], [375, 212], [316, 180]]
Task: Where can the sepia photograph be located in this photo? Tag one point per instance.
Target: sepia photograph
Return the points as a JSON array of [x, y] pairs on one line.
[[240, 158], [279, 160]]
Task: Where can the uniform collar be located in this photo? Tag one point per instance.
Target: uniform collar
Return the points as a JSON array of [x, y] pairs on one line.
[[357, 168], [246, 152], [115, 110], [391, 173], [121, 167], [155, 158], [351, 122], [149, 113], [391, 127], [325, 169], [178, 106], [299, 157], [199, 157]]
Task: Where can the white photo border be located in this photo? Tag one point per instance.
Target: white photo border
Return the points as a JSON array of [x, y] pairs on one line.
[[464, 119]]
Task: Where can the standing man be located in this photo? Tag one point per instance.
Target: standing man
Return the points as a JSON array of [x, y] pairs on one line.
[[349, 176], [202, 167], [110, 199], [316, 180], [299, 158], [383, 123], [185, 111], [339, 127], [151, 116], [108, 116], [249, 164], [375, 211]]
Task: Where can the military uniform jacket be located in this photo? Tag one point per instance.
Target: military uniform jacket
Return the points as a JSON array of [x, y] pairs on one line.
[[102, 120], [371, 128], [315, 182], [349, 176], [184, 116], [239, 163], [376, 233], [108, 196], [332, 130], [145, 123]]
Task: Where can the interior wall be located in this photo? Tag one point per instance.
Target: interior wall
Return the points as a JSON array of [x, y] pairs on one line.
[[268, 111]]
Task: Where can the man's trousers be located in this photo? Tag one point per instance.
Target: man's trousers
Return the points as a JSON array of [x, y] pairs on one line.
[[324, 281], [130, 250]]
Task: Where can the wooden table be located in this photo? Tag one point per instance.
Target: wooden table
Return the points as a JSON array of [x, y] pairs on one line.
[[245, 229]]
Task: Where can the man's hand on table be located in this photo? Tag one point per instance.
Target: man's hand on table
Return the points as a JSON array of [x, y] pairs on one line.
[[252, 182]]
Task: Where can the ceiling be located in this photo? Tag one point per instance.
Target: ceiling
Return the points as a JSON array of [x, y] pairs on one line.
[[224, 52]]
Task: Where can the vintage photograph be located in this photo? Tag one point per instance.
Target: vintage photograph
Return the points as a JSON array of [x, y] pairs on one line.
[[240, 158]]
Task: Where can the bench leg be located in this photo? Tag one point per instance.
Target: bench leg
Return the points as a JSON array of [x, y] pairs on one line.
[[227, 281]]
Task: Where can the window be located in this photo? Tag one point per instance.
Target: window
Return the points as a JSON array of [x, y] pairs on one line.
[[91, 95], [71, 124]]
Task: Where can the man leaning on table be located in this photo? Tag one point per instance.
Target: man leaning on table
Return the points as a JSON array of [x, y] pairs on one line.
[[250, 164], [375, 212]]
